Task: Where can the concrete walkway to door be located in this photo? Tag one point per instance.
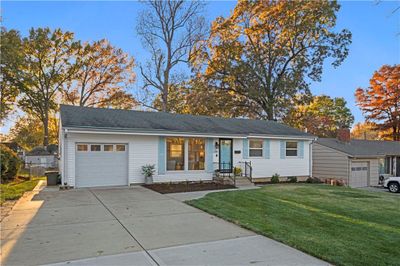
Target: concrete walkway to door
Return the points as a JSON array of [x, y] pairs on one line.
[[130, 226]]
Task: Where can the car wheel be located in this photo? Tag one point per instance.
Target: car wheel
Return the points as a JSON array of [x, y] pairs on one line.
[[393, 187]]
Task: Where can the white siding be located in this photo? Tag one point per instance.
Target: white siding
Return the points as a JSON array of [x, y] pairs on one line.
[[275, 165], [143, 150]]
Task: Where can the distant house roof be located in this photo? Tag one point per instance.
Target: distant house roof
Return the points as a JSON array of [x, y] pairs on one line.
[[362, 148], [97, 118]]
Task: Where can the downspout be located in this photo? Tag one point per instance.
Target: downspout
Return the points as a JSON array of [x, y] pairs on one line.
[[348, 171], [310, 155]]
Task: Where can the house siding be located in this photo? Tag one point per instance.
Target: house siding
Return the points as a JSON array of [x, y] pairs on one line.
[[328, 163], [144, 150]]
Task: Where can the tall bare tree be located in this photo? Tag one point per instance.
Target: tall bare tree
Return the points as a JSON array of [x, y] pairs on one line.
[[169, 30], [102, 78]]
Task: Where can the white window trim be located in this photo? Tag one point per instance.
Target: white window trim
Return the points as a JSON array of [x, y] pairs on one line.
[[262, 149], [292, 149]]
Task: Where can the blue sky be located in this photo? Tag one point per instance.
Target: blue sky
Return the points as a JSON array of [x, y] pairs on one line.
[[376, 34]]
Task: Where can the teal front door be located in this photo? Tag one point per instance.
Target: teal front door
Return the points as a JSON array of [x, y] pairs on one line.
[[225, 155]]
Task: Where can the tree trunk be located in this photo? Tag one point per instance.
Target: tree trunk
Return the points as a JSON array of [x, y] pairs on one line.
[[46, 131], [165, 100]]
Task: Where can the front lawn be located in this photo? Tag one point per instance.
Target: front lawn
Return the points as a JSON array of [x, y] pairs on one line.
[[14, 190], [340, 225]]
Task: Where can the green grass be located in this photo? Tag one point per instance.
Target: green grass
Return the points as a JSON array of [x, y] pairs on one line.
[[340, 225], [14, 190]]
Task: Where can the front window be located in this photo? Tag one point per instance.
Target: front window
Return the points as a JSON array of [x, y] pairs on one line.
[[256, 148], [291, 148], [175, 154], [196, 154]]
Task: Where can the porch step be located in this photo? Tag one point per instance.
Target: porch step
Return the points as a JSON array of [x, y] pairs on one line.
[[243, 181]]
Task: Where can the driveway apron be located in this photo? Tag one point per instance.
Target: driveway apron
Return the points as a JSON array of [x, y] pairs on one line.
[[130, 226]]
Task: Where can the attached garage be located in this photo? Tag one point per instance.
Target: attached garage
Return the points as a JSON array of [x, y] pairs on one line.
[[359, 174], [101, 164]]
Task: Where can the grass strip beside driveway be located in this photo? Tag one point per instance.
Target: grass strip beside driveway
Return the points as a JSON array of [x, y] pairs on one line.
[[340, 225], [14, 190]]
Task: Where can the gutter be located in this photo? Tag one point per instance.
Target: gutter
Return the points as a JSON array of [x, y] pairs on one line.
[[91, 130]]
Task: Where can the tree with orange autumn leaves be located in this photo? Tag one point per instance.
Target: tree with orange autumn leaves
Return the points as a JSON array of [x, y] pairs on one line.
[[267, 51], [104, 73], [380, 102]]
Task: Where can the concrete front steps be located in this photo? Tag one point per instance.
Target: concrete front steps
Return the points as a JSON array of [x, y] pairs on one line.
[[243, 182]]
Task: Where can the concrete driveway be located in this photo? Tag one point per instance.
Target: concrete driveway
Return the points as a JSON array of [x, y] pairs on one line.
[[130, 226]]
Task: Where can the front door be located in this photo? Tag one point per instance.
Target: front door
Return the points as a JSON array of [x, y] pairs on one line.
[[398, 166], [225, 155]]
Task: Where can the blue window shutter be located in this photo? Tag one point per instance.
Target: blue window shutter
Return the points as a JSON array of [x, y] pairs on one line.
[[283, 149], [266, 149], [301, 149], [209, 149], [161, 155], [245, 148]]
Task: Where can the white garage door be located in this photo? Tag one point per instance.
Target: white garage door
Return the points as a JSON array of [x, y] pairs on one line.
[[359, 174], [101, 164]]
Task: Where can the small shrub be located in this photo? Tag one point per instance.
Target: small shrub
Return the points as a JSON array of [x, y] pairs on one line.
[[292, 179], [148, 172], [237, 171], [10, 164], [275, 179], [313, 180]]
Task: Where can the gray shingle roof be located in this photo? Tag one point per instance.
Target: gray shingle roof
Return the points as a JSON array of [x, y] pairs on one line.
[[360, 148], [98, 118]]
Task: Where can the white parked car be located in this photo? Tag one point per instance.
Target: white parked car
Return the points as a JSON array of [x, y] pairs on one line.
[[392, 183]]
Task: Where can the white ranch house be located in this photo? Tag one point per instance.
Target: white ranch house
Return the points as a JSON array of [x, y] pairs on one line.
[[108, 147]]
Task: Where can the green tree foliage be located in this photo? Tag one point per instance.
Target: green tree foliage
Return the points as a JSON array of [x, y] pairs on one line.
[[28, 132], [11, 59], [10, 164], [268, 51], [323, 116], [196, 98], [47, 64]]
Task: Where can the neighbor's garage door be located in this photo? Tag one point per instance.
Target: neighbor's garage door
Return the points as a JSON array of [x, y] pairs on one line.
[[101, 164], [359, 174]]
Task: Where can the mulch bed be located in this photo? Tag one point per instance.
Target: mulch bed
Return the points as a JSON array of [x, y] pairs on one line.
[[165, 188]]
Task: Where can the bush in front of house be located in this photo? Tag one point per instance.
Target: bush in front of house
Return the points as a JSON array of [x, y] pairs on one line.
[[237, 171], [148, 172], [292, 179], [313, 180], [275, 179], [10, 164]]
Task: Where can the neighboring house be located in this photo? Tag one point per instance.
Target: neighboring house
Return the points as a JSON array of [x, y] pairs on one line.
[[104, 147], [39, 156], [16, 148], [358, 163]]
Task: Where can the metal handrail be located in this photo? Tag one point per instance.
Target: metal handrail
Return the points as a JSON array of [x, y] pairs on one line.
[[248, 171]]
